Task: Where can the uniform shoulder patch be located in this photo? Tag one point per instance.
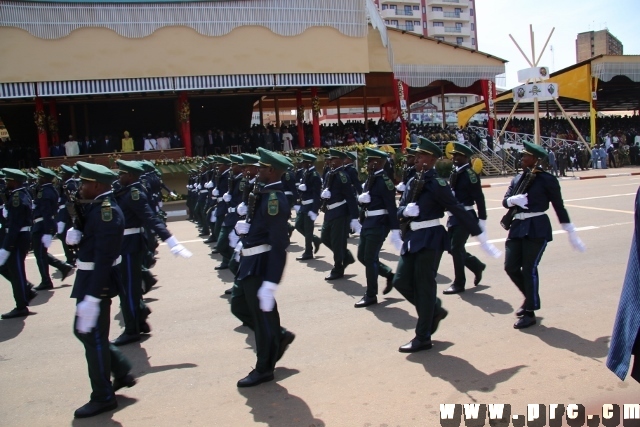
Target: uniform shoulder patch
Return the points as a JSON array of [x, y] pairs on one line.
[[388, 181], [15, 200], [472, 176], [39, 195], [315, 173], [241, 186], [105, 211], [442, 182], [135, 194], [273, 205], [343, 177], [287, 176]]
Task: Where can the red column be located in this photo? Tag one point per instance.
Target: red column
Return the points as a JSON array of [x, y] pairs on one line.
[[41, 124], [299, 108], [316, 119], [184, 113], [53, 121]]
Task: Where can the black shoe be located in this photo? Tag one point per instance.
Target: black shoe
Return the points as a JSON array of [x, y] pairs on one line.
[[286, 339], [334, 275], [221, 266], [255, 378], [415, 345], [316, 245], [94, 408], [148, 283], [203, 234], [366, 301], [291, 231], [389, 286], [125, 339], [16, 312], [65, 270], [126, 381], [210, 240], [453, 289], [44, 286], [478, 277], [145, 328], [525, 321], [437, 318], [215, 251], [304, 257], [228, 291], [521, 311], [349, 259], [32, 293]]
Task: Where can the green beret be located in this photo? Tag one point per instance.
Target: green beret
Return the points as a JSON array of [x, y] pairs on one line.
[[250, 159], [372, 153], [211, 159], [428, 147], [130, 166], [1, 174], [223, 160], [235, 159], [351, 155], [308, 157], [535, 150], [147, 166], [459, 148], [411, 152], [273, 160], [97, 173], [46, 173], [337, 154], [68, 169], [32, 175], [15, 174]]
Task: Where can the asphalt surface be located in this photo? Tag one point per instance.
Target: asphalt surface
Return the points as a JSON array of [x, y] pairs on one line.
[[344, 368]]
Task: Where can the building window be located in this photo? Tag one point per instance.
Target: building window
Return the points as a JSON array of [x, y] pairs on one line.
[[459, 41], [473, 42], [463, 100], [386, 21], [393, 6], [385, 7], [440, 38], [446, 99], [470, 12], [458, 10], [424, 24], [473, 26], [416, 23], [436, 9], [438, 24], [394, 23], [416, 7], [477, 98], [458, 24], [424, 10]]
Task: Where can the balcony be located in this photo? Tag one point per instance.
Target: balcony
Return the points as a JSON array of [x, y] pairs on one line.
[[449, 31], [444, 16], [454, 3], [406, 12]]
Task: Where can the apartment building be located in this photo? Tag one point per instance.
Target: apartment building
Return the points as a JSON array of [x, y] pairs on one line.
[[594, 43], [452, 21]]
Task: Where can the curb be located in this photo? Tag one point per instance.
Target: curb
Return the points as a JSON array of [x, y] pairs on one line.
[[570, 178]]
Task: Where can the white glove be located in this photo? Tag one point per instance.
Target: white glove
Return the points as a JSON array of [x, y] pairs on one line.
[[401, 187], [237, 251], [4, 255], [302, 187], [242, 227], [213, 217], [326, 194], [216, 192], [46, 240], [296, 208], [199, 187], [313, 216], [575, 241], [5, 212], [233, 239], [266, 295], [483, 225], [177, 249], [489, 248], [355, 226], [226, 197], [411, 210], [73, 236], [395, 239], [518, 200], [172, 194], [208, 184], [364, 198], [87, 311], [241, 209], [61, 227]]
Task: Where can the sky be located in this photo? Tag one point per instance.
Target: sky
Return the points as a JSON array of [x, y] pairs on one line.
[[496, 19]]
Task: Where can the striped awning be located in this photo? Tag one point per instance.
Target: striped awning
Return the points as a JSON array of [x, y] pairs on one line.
[[224, 82], [17, 90], [606, 71], [324, 79], [101, 87]]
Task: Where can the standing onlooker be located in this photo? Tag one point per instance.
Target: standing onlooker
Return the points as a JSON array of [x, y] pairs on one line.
[[57, 150], [209, 143], [163, 142], [286, 140], [175, 141], [150, 143], [553, 166], [127, 143], [108, 145], [71, 147], [198, 144], [268, 140]]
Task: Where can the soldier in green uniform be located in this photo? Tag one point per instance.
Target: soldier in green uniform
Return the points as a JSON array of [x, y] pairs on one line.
[[223, 174], [380, 218], [424, 241], [309, 190], [231, 199], [341, 214], [97, 281], [530, 230], [466, 186], [264, 239], [352, 172]]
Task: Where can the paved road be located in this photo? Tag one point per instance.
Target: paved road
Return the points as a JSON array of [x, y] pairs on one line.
[[344, 368]]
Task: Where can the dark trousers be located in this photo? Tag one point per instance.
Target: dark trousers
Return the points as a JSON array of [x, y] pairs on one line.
[[43, 258], [17, 276], [461, 258], [304, 225], [334, 235], [521, 264], [103, 358], [415, 279], [216, 227], [223, 247], [199, 210], [130, 294], [371, 240], [266, 325], [190, 206], [69, 255]]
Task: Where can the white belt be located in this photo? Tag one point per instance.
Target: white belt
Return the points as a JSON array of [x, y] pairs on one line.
[[466, 208], [37, 220], [377, 212], [61, 206], [336, 204], [81, 265], [27, 228], [128, 231], [307, 202], [231, 210], [289, 193], [204, 191], [256, 250], [220, 199], [425, 224], [525, 215]]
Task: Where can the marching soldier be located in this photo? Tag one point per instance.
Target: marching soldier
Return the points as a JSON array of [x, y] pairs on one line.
[[192, 195], [231, 198], [69, 187], [352, 172], [132, 200], [263, 257], [530, 231], [290, 191], [15, 242], [466, 186], [424, 241], [220, 188], [202, 199], [309, 191], [380, 217], [341, 214], [97, 281], [44, 227], [211, 200]]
